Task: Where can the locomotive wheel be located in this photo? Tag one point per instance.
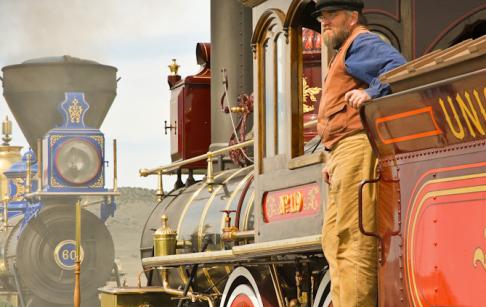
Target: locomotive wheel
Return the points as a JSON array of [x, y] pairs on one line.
[[45, 256], [243, 296], [323, 295], [242, 290]]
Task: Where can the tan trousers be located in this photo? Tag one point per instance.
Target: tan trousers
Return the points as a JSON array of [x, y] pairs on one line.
[[351, 255]]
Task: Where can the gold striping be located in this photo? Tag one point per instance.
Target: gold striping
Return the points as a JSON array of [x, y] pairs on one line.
[[233, 195], [189, 202], [411, 278], [209, 202], [181, 218], [251, 203], [228, 204], [210, 281], [203, 217], [427, 196]]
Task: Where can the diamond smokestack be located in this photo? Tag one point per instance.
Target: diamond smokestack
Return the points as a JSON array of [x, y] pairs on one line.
[[34, 89]]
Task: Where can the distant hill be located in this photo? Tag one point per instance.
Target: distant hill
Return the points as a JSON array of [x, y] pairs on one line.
[[133, 208]]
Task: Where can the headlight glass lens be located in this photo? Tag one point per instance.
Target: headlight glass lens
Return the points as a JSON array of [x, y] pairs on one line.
[[77, 161]]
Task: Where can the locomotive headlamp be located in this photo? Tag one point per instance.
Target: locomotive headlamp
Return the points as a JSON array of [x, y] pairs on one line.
[[77, 161], [74, 153]]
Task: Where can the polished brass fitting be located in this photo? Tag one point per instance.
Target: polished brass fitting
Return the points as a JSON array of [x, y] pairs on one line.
[[28, 175], [7, 131], [210, 176], [228, 230], [174, 67], [160, 187], [165, 240], [237, 109], [5, 201]]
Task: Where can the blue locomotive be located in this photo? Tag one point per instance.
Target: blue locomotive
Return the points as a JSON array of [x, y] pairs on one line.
[[59, 103]]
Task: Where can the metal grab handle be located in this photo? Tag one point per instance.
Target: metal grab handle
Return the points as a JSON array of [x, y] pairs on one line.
[[360, 218], [170, 127]]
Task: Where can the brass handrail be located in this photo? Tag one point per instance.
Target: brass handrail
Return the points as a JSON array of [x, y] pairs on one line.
[[310, 124], [176, 165], [210, 154]]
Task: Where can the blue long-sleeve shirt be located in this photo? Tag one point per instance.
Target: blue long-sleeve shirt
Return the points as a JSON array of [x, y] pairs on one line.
[[367, 58]]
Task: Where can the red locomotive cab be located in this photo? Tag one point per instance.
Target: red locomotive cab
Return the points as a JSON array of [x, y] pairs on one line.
[[190, 111]]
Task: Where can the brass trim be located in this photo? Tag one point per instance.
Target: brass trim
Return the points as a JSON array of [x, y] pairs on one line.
[[228, 204], [233, 195], [58, 248], [5, 202], [239, 253], [310, 124], [203, 217], [276, 285], [40, 167], [208, 205], [28, 175], [81, 194], [251, 203], [167, 169], [181, 218]]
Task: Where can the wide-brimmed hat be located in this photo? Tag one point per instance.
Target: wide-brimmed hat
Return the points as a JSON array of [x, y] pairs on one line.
[[334, 5]]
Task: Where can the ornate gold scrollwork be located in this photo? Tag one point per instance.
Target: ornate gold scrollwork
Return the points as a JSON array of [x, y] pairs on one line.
[[311, 93], [75, 111], [20, 189], [98, 139], [479, 257], [54, 139], [99, 183], [55, 183]]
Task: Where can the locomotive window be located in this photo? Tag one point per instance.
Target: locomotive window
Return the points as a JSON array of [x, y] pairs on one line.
[[275, 111], [272, 90], [282, 124], [269, 110], [306, 84]]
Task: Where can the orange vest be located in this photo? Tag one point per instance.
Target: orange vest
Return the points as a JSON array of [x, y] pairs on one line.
[[336, 119]]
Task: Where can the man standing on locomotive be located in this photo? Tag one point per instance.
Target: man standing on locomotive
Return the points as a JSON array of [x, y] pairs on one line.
[[352, 79]]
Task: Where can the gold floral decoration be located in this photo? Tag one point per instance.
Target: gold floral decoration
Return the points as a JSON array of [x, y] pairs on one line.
[[310, 93], [98, 184], [54, 139], [98, 139], [55, 183], [75, 111]]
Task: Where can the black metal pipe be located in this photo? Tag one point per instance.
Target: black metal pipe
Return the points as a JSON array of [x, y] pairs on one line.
[[205, 245]]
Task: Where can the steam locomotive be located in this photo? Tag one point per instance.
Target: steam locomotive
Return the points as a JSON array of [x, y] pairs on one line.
[[430, 137], [59, 104]]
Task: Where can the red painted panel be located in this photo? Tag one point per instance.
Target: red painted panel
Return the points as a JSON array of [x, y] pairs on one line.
[[291, 203], [444, 267], [446, 240], [191, 113]]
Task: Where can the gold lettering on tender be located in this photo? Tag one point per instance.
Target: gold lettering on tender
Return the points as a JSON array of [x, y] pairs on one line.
[[480, 103], [479, 256], [470, 115], [459, 133]]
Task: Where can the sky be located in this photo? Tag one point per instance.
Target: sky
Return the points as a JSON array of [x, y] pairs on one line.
[[139, 38]]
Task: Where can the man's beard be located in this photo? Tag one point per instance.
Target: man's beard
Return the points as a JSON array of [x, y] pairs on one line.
[[337, 40]]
